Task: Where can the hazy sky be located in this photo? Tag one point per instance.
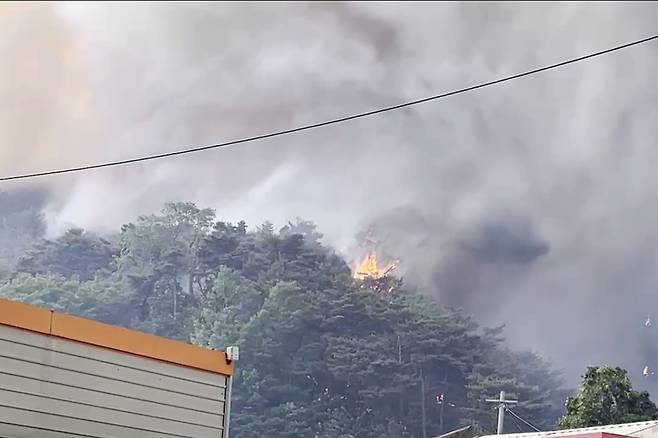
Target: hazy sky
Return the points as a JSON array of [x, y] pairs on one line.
[[533, 203]]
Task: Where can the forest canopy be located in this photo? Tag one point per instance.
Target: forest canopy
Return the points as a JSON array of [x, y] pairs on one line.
[[322, 354]]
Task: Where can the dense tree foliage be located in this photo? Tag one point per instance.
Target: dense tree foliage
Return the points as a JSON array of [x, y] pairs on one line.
[[323, 355], [21, 223], [75, 253], [607, 397]]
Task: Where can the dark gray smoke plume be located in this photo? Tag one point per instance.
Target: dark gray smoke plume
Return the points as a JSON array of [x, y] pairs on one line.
[[533, 203]]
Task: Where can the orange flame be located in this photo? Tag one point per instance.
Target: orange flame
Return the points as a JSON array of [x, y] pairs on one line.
[[368, 268]]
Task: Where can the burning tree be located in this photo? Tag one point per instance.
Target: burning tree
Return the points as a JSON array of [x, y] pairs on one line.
[[375, 278]]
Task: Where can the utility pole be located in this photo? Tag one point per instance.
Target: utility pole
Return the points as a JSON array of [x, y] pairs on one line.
[[422, 403], [175, 303], [441, 400], [502, 406], [400, 367]]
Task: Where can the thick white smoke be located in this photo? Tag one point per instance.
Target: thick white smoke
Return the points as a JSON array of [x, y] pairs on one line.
[[532, 203]]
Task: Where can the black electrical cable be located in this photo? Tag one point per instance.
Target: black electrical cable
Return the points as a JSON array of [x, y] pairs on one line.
[[516, 424], [527, 423], [328, 122]]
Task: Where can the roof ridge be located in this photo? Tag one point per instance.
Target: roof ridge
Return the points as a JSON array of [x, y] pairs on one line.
[[610, 427], [87, 331]]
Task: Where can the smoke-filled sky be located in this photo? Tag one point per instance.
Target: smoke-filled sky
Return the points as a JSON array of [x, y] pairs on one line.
[[532, 203]]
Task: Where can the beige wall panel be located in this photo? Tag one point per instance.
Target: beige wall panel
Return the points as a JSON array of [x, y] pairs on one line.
[[101, 415], [110, 356], [106, 369], [54, 388], [91, 397]]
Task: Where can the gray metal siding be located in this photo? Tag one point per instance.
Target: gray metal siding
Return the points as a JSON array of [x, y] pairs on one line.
[[54, 388]]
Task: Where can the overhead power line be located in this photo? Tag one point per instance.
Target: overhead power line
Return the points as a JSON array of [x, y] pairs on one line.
[[328, 122], [527, 423]]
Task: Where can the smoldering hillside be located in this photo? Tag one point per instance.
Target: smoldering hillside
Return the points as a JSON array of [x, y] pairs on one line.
[[533, 203]]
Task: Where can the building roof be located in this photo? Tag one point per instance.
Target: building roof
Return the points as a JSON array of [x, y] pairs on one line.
[[73, 328], [645, 429], [463, 432]]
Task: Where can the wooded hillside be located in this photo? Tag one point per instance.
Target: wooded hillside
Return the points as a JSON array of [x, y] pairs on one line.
[[322, 354]]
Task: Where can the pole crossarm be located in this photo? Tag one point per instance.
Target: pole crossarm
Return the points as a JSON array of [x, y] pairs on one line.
[[502, 407]]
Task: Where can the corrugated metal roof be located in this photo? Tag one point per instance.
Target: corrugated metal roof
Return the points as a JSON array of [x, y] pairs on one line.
[[629, 429]]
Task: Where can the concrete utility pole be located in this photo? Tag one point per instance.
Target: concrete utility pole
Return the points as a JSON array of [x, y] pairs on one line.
[[502, 406]]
